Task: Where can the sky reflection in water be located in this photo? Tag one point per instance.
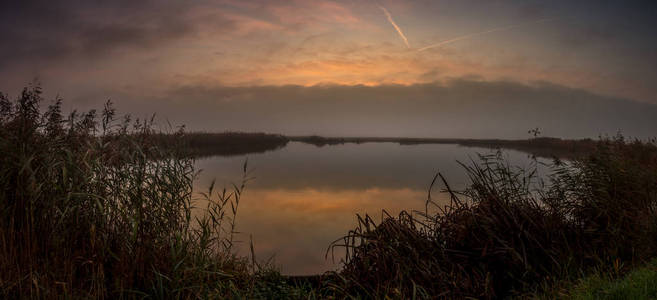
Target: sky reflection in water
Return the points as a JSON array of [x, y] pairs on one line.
[[304, 197]]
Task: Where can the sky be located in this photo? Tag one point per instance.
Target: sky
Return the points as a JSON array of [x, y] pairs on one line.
[[439, 68]]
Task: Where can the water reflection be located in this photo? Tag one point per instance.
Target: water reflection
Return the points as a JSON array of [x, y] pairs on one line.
[[304, 197]]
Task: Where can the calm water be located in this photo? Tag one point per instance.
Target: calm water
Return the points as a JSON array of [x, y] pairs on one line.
[[304, 197]]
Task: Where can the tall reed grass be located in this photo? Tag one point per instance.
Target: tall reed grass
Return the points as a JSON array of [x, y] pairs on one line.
[[92, 207], [510, 233], [95, 207]]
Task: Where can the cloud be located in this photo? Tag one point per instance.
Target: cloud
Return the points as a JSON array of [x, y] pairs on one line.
[[312, 12], [57, 31], [459, 108], [63, 29], [608, 49], [300, 15]]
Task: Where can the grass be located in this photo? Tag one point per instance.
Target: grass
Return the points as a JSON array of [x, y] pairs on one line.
[[638, 284], [509, 234], [92, 206]]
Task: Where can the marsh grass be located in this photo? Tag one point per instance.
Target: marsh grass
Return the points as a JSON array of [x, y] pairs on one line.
[[94, 207], [510, 233]]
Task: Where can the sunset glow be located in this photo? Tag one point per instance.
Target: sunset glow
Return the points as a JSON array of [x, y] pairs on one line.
[[142, 55], [328, 149]]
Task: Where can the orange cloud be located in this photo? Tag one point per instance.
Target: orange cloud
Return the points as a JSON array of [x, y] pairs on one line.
[[313, 13], [375, 66], [213, 20]]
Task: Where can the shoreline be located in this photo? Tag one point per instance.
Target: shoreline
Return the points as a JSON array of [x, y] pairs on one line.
[[203, 144]]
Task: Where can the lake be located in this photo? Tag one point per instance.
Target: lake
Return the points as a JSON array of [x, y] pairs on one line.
[[304, 197]]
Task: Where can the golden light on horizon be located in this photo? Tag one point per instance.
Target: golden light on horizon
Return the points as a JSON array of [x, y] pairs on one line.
[[151, 55]]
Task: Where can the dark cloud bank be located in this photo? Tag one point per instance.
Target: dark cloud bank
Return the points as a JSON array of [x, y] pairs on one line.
[[460, 108], [38, 31]]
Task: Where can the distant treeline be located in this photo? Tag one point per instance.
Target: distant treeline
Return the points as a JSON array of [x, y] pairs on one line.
[[200, 144], [541, 146]]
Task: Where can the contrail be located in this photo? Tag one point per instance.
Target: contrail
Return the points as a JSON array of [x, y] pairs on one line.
[[401, 34], [467, 36]]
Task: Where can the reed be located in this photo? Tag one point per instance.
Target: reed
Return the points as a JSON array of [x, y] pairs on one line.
[[93, 207], [510, 233]]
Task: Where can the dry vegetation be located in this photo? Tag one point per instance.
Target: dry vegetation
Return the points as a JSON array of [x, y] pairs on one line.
[[97, 209], [511, 234], [91, 207]]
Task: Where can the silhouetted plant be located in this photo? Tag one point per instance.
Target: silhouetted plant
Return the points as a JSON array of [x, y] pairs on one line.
[[104, 214], [510, 233], [89, 213]]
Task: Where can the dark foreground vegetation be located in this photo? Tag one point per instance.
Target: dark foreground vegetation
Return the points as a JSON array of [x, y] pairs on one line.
[[509, 234], [86, 212]]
